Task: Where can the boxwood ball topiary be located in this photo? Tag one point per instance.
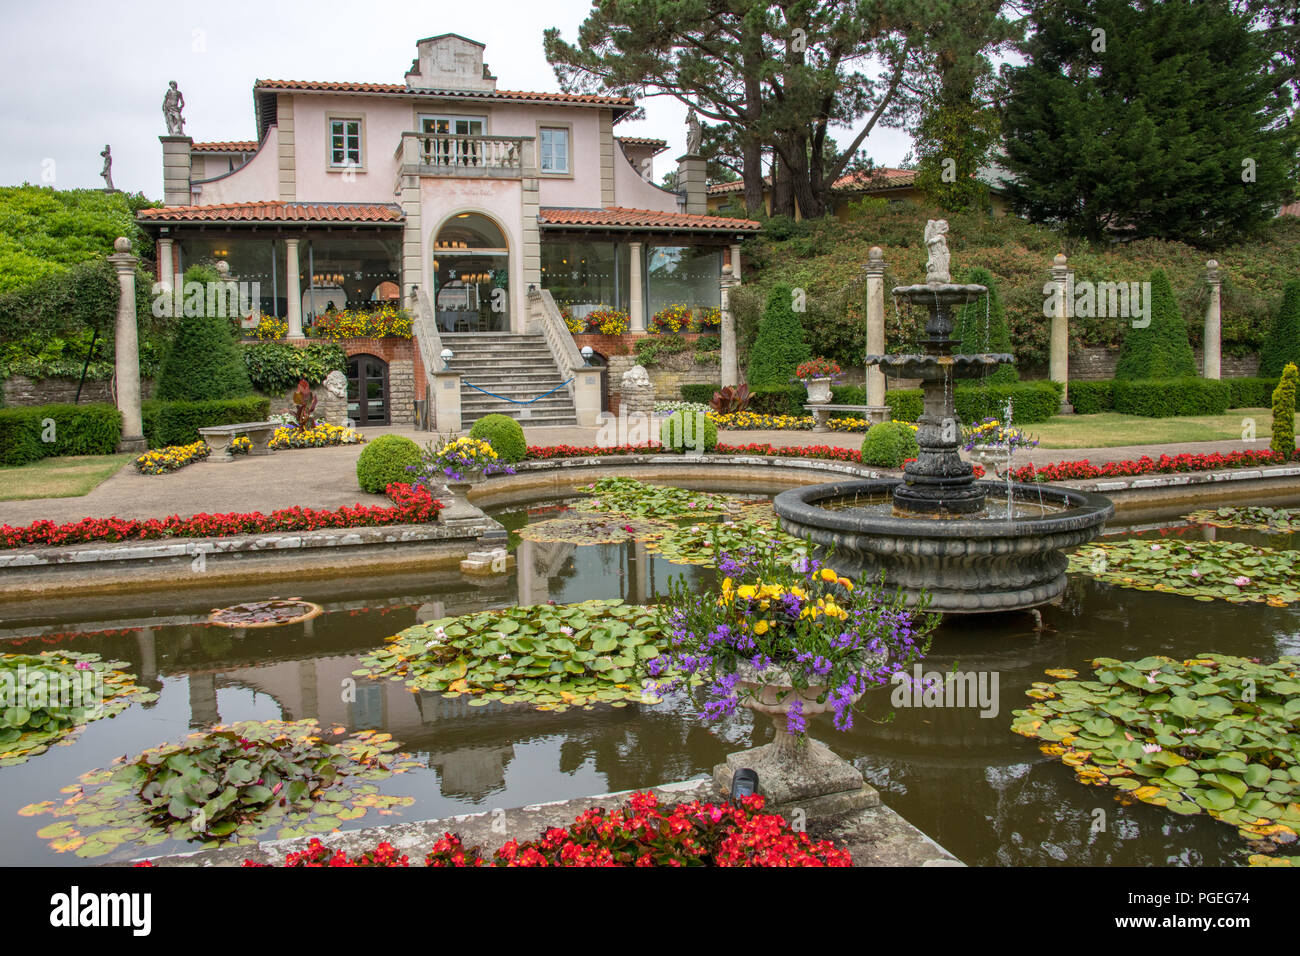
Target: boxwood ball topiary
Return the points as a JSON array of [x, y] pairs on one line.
[[504, 434], [889, 444], [384, 460], [689, 431]]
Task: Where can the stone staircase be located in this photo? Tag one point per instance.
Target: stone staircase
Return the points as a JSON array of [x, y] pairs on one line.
[[516, 366]]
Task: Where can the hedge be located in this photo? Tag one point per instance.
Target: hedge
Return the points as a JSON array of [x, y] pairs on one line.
[[1031, 402], [1166, 398], [702, 394], [1250, 392], [1090, 398], [93, 429], [276, 367], [778, 400], [178, 423]]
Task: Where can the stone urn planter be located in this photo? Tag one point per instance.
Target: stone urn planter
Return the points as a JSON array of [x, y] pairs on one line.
[[992, 457], [458, 510], [819, 390], [795, 773]]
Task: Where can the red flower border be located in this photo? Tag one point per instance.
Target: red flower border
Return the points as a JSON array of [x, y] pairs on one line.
[[411, 505], [1085, 470]]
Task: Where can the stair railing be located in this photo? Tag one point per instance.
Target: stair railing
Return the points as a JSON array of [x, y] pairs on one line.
[[544, 317]]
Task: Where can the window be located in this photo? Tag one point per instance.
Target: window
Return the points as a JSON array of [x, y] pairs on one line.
[[554, 150], [345, 142]]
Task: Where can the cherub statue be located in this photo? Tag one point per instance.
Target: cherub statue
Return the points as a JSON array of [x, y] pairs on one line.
[[936, 242]]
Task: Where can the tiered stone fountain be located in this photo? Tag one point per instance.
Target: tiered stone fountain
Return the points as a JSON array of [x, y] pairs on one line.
[[939, 536]]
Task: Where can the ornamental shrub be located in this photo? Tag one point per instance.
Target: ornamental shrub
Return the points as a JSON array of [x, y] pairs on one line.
[[691, 431], [780, 345], [1284, 413], [1030, 401], [905, 404], [93, 429], [700, 394], [1282, 344], [982, 327], [1168, 398], [178, 423], [204, 361], [889, 444], [384, 461], [1253, 392], [504, 434], [1161, 350], [1089, 398], [778, 399]]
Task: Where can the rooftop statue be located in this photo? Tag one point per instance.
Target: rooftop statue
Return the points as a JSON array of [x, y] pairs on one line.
[[173, 103]]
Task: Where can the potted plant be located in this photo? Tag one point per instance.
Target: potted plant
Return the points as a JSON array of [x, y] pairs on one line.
[[993, 443], [787, 641], [453, 465], [817, 375]]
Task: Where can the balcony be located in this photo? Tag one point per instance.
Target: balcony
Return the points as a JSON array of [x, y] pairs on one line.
[[466, 157]]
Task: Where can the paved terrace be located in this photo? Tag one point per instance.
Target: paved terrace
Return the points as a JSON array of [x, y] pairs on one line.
[[326, 477]]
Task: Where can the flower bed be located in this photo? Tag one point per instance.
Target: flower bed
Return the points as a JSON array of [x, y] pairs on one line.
[[387, 321], [162, 461], [1164, 465], [320, 435], [642, 833], [410, 506]]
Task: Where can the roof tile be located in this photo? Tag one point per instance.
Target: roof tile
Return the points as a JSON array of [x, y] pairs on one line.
[[275, 212], [227, 146], [326, 86], [620, 217]]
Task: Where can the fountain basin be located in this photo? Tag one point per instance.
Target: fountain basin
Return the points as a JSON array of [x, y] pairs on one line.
[[967, 565]]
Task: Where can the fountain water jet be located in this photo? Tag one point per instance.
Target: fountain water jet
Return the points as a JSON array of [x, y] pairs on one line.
[[939, 538]]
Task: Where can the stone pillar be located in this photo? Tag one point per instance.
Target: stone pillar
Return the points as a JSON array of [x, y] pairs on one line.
[[203, 701], [730, 368], [530, 208], [735, 262], [1211, 348], [176, 170], [446, 401], [586, 396], [292, 290], [1059, 354], [126, 351], [166, 264], [691, 180], [875, 270], [636, 299]]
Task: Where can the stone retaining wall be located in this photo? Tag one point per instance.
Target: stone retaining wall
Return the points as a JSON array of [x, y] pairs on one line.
[[21, 390]]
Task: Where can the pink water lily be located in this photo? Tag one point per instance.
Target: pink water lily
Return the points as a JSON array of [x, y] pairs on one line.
[[1241, 581]]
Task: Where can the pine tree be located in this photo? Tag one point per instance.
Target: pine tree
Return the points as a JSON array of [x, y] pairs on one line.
[[1161, 349], [982, 327], [1282, 345], [204, 360], [1157, 119], [779, 346]]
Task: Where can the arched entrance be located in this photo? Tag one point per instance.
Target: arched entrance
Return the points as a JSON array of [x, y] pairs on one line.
[[367, 390], [471, 275]]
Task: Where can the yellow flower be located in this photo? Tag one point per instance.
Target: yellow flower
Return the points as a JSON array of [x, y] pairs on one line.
[[829, 576], [761, 627]]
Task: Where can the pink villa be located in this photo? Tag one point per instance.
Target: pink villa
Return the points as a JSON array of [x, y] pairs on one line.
[[482, 211]]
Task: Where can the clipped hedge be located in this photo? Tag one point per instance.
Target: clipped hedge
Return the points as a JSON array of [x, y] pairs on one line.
[[1249, 392], [178, 423], [1284, 412], [1091, 398], [1167, 398], [889, 444], [504, 434], [680, 432], [778, 399], [384, 461], [93, 429], [1031, 402], [702, 394]]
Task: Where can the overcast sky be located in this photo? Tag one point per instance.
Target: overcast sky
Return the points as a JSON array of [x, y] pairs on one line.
[[78, 75]]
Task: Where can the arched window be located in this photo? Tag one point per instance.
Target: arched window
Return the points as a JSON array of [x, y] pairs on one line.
[[471, 268]]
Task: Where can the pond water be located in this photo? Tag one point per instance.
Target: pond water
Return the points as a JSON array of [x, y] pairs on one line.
[[986, 794]]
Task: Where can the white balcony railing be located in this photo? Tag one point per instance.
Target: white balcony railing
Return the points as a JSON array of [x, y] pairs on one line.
[[445, 154]]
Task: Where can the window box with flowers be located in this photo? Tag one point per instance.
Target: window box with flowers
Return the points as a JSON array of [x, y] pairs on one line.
[[606, 322], [670, 320], [817, 375]]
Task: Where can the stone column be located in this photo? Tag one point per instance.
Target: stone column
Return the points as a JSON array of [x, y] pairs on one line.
[[692, 181], [635, 297], [203, 700], [875, 270], [126, 350], [176, 170], [735, 262], [166, 264], [1211, 348], [292, 290], [730, 368], [1059, 354]]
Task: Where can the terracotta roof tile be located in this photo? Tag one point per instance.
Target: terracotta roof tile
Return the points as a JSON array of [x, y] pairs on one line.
[[659, 145], [229, 146], [318, 86], [1290, 209], [275, 212], [621, 218]]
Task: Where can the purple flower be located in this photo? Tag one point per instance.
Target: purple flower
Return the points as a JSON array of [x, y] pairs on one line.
[[795, 723]]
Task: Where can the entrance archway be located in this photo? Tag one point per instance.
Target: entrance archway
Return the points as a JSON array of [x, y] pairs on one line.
[[368, 390], [471, 275]]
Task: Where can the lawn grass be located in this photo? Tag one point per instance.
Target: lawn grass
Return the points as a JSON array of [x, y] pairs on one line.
[[69, 477], [1110, 430]]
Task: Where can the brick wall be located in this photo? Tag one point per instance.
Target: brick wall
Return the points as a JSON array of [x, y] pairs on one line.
[[403, 380]]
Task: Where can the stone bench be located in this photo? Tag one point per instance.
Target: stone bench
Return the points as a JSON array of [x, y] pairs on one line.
[[220, 438], [821, 412]]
